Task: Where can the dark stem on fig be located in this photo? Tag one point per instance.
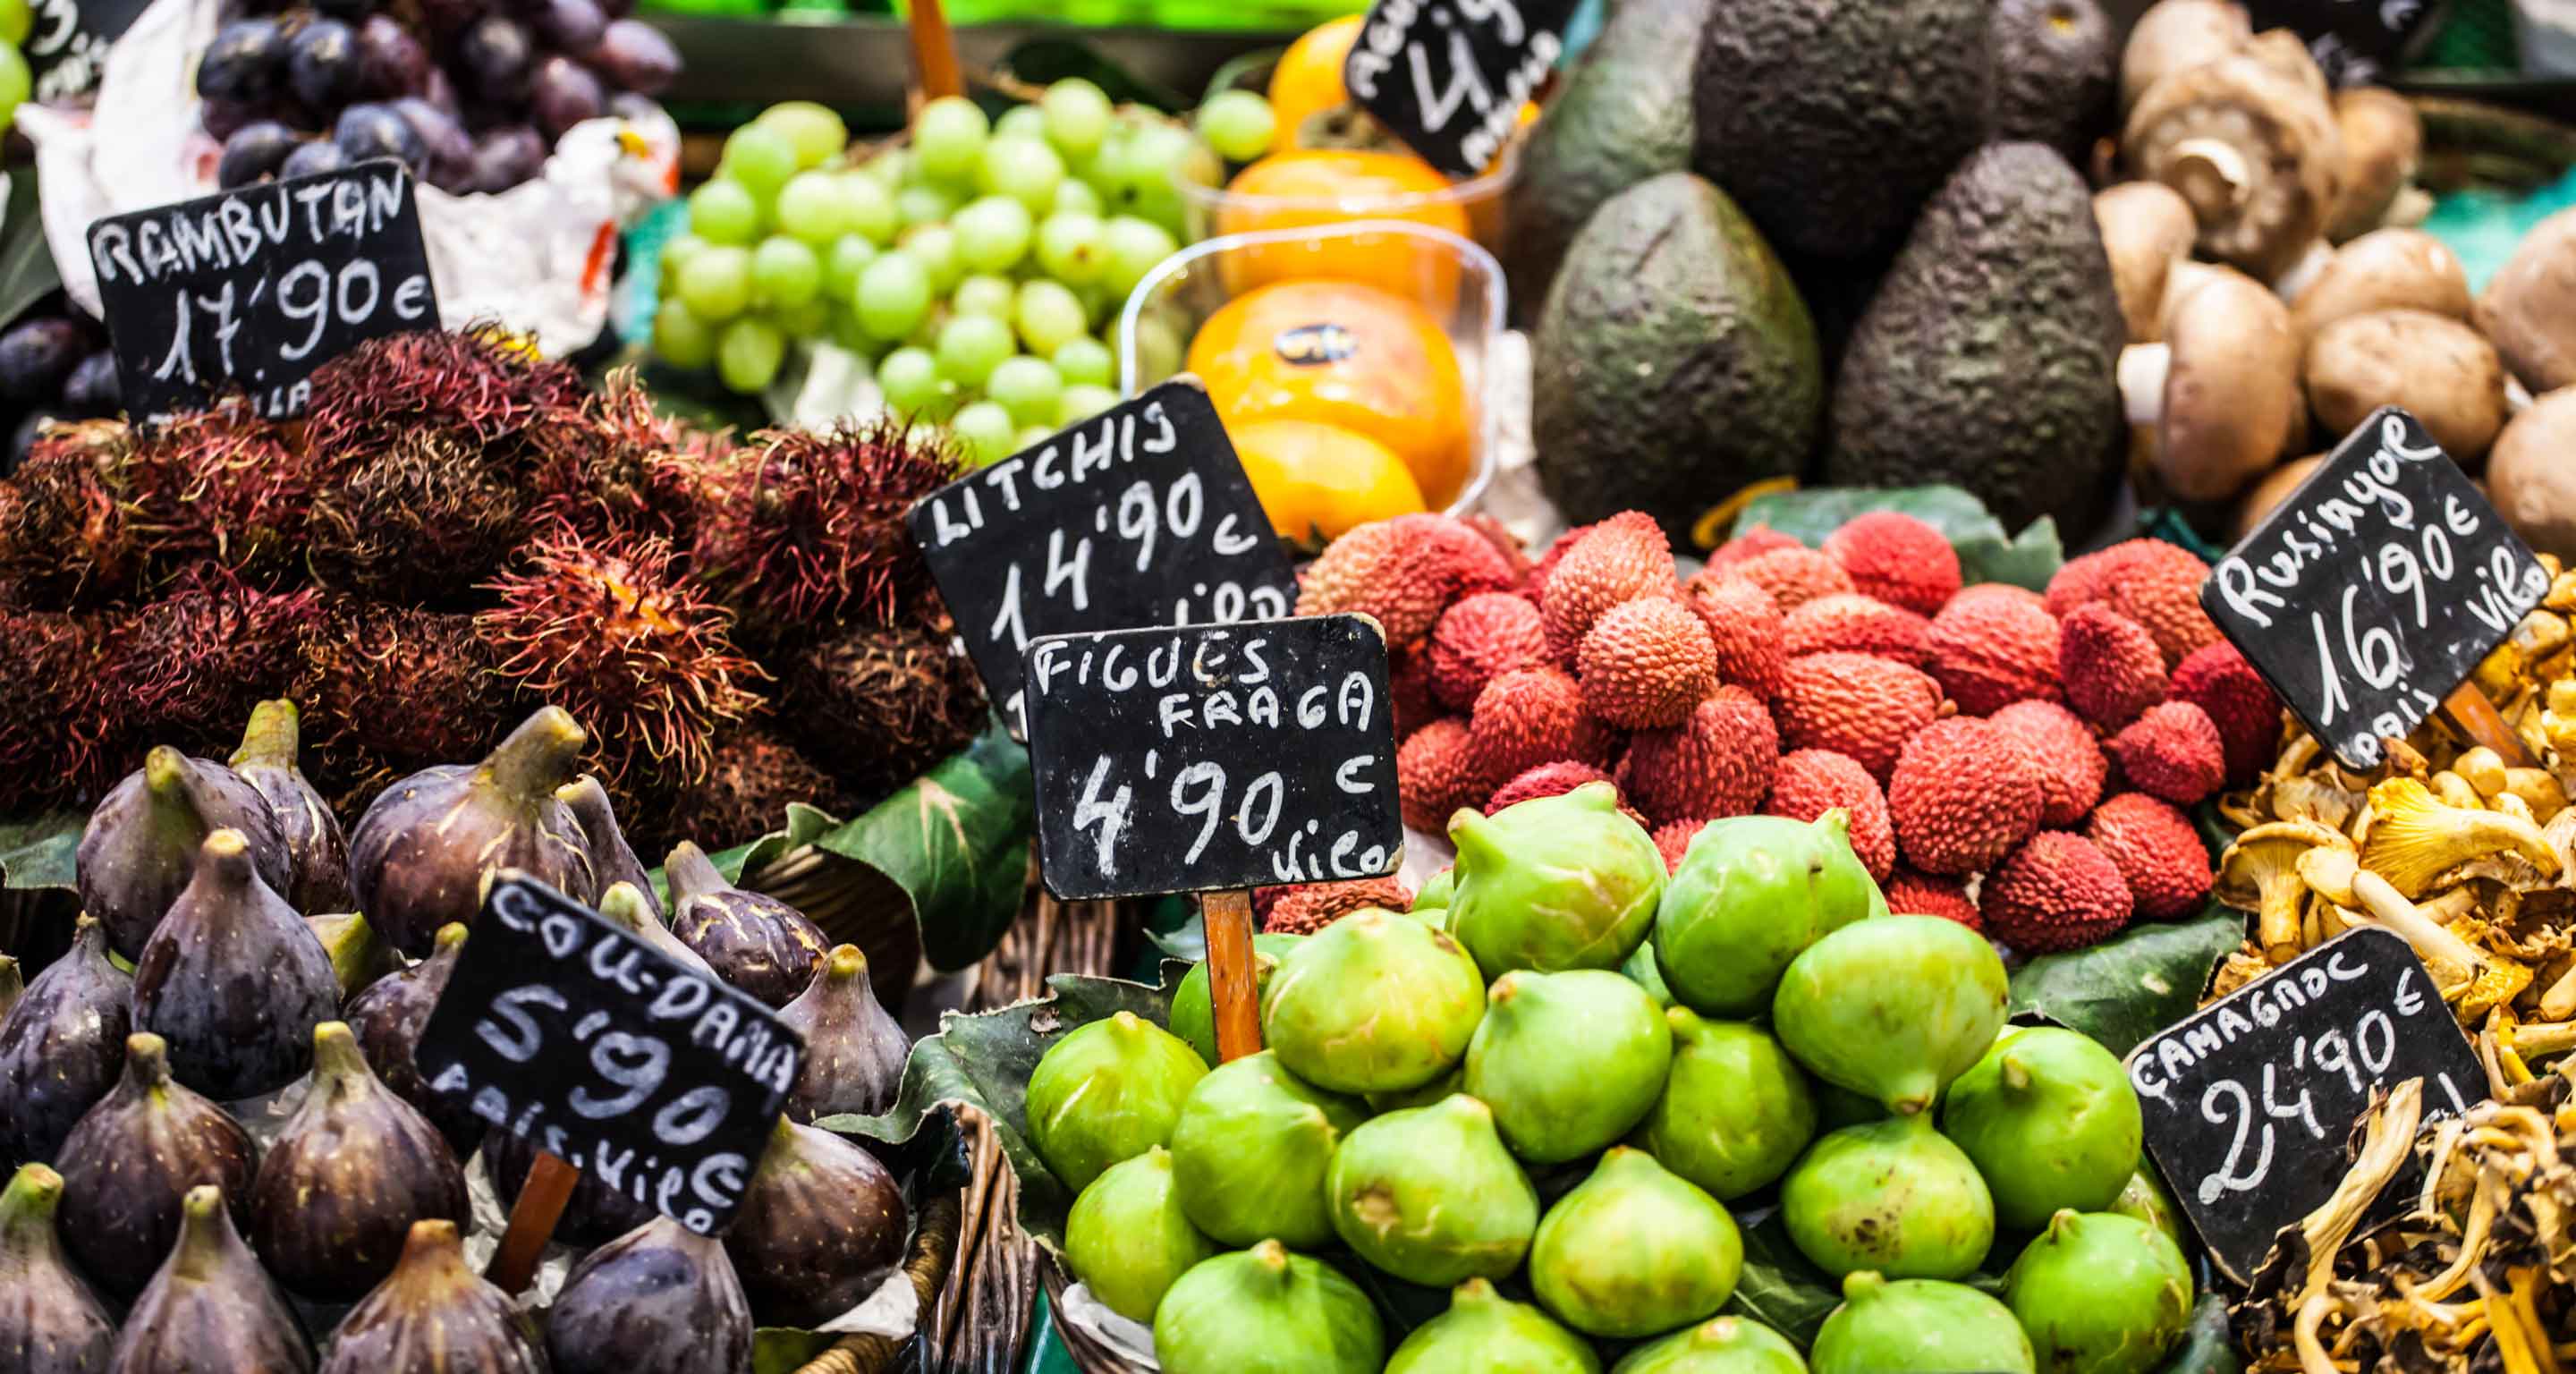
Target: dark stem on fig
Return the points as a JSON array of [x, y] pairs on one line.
[[273, 738]]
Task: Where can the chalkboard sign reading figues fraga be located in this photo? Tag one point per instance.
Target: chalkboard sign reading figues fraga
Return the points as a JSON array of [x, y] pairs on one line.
[[1188, 760], [1449, 77], [576, 1036], [253, 289], [2375, 588]]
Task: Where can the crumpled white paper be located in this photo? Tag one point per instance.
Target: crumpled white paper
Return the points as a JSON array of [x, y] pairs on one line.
[[1133, 1341], [536, 257]]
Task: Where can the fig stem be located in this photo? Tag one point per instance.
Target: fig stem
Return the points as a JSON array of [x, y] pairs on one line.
[[336, 1057], [201, 1232], [537, 757], [692, 873], [273, 739], [27, 1207]]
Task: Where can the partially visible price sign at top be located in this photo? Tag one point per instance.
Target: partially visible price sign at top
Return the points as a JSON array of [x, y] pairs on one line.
[[1449, 77], [251, 290], [67, 43], [2375, 588], [2356, 42]]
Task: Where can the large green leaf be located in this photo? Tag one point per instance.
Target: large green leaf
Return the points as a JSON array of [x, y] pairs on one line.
[[27, 271], [2130, 986], [37, 853], [1987, 552], [1780, 1288], [957, 841]]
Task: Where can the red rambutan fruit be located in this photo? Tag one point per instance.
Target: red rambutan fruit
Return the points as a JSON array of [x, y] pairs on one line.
[[1480, 636], [2108, 665], [2073, 767], [417, 521], [1744, 625], [54, 744], [2173, 752], [221, 486], [616, 466], [880, 707], [1898, 559], [1546, 780], [1912, 892], [63, 535], [1305, 910], [2217, 679], [1794, 576], [388, 690], [1810, 782], [477, 384], [750, 778], [1719, 762], [1990, 651], [186, 670], [1857, 623]]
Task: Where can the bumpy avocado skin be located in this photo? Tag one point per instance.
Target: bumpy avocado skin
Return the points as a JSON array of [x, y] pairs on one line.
[[1674, 361], [2054, 71], [1988, 358], [1831, 120]]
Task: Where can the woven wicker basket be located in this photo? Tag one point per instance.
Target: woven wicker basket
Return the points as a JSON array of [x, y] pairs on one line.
[[1089, 1355], [934, 1254]]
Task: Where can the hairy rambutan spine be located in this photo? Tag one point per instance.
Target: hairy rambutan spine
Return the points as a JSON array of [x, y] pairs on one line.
[[803, 531]]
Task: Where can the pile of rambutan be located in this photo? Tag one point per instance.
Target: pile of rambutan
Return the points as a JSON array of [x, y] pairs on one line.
[[2020, 761], [455, 532]]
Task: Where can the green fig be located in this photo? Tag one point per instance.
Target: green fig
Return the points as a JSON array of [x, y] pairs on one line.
[[1720, 1345], [2051, 1121], [1891, 1196], [1918, 1326], [1439, 893], [1557, 883], [1374, 1002], [2100, 1294], [1751, 893], [1265, 1311], [1250, 1151], [1635, 1250], [1127, 1238], [1642, 970], [1734, 1112], [1568, 1061], [1109, 1091], [1483, 1330], [1194, 1013], [1431, 1196], [1892, 1008], [2145, 1198]]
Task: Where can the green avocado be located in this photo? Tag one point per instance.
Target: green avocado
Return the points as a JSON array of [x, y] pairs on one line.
[[2054, 65], [1673, 360]]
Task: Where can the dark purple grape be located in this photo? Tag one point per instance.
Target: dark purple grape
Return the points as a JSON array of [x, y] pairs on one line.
[[390, 61], [572, 25], [439, 90], [506, 156], [346, 11], [93, 391], [224, 118], [255, 150], [366, 131], [635, 55], [497, 55], [617, 9], [24, 438], [243, 63], [440, 134], [636, 106], [314, 158], [563, 94], [451, 16], [322, 64], [37, 356]]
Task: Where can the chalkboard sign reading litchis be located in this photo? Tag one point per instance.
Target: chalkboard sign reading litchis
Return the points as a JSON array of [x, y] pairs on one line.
[[1186, 760], [2375, 588], [1138, 516], [1449, 77], [2249, 1101], [253, 289], [652, 1077]]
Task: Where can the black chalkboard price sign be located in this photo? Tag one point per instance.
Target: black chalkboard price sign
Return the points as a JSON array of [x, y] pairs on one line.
[[2249, 1101], [1449, 77], [574, 1035], [2375, 588], [2357, 42], [253, 289], [1209, 757], [1138, 516], [67, 43]]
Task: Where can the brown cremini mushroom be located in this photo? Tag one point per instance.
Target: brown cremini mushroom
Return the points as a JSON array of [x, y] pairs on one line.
[[2389, 269], [2260, 873], [2177, 34], [2254, 151], [2274, 488], [2435, 367], [2529, 306], [2221, 390], [2531, 473], [2383, 143], [2146, 229]]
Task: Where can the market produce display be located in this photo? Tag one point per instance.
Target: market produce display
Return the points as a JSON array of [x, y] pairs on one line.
[[54, 366]]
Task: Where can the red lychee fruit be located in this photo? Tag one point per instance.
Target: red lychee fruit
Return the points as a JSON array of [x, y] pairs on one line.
[[2108, 665], [1673, 841], [2152, 582], [1485, 634], [1744, 626], [1858, 705], [2072, 766], [2056, 892], [1546, 780], [1857, 623], [1794, 576], [2173, 752], [1404, 572], [1527, 717], [1963, 794], [1751, 542], [1911, 892], [2158, 853], [1534, 583], [1990, 651], [1621, 559], [1717, 763], [1436, 773], [2217, 679], [1646, 663], [1810, 782], [1305, 910], [1897, 559]]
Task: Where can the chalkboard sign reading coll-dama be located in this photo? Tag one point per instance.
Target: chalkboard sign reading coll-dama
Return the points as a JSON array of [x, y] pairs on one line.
[[1140, 515], [2249, 1101], [1211, 757], [2375, 588], [1449, 77], [656, 1079], [253, 289]]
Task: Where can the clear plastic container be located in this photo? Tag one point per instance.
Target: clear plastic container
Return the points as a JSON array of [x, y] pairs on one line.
[[1455, 281]]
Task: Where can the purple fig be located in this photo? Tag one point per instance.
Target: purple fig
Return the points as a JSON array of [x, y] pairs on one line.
[[595, 1213], [142, 842], [434, 1315], [129, 1164], [317, 854], [611, 857], [50, 1323], [211, 1309], [821, 1225], [355, 1168], [234, 980], [61, 1046], [387, 1019], [854, 1051], [419, 857], [631, 908], [660, 1299], [755, 942], [13, 985]]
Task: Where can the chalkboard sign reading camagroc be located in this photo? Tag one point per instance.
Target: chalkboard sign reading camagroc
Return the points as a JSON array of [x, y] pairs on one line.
[[2375, 588], [1190, 760], [2249, 1101], [253, 289], [1138, 516], [578, 1037], [1449, 77]]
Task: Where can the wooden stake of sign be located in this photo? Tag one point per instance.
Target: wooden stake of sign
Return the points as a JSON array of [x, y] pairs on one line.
[[2470, 713], [532, 1223], [934, 52], [1232, 987]]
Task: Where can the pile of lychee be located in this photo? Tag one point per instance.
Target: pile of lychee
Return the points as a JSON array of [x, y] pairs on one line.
[[2022, 763]]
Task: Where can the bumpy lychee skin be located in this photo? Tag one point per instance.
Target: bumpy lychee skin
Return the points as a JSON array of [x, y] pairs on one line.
[[1752, 542], [2217, 679], [1856, 622], [1485, 634], [1897, 559], [2148, 580], [1546, 780], [1911, 892], [1409, 697], [2054, 893], [1810, 782], [2108, 665], [1305, 910], [1527, 717], [1404, 572], [2172, 752], [2072, 766], [1534, 583], [1744, 626], [1618, 560], [1673, 841], [1436, 773], [1717, 763], [1646, 663], [1794, 576], [1990, 651], [1963, 794], [2158, 853], [1857, 705]]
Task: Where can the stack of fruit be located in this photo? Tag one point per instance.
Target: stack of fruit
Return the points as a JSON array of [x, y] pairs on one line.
[[54, 365], [1471, 1094]]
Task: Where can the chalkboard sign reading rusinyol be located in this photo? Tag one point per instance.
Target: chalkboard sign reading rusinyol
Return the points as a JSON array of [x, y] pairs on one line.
[[1189, 760], [2375, 588], [1140, 515], [2356, 42], [1449, 77], [2250, 1100], [251, 290], [655, 1078]]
